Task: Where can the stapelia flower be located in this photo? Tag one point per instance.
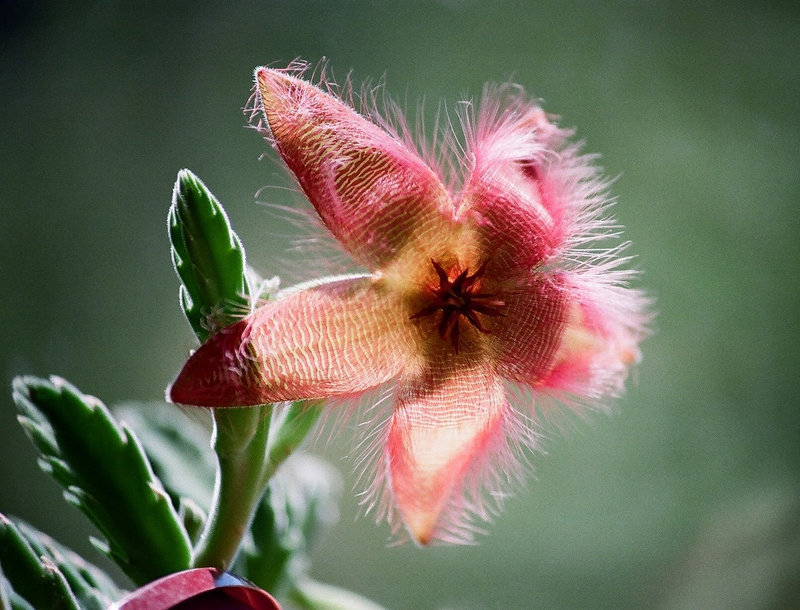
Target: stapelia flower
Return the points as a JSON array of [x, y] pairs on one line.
[[480, 287]]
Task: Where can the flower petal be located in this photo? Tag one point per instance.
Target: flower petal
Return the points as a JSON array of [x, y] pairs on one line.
[[528, 337], [510, 222], [502, 194], [529, 192], [198, 589], [606, 322], [337, 338], [445, 423], [374, 194]]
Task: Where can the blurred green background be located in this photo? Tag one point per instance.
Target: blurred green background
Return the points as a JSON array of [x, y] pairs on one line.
[[688, 497]]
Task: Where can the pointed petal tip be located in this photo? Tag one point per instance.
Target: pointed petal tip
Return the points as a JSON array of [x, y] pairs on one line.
[[262, 75], [421, 527], [219, 374], [269, 81], [438, 451]]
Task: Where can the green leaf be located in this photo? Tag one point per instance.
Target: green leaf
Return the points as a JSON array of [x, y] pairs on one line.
[[31, 575], [106, 474], [312, 595], [193, 518], [301, 501], [179, 451], [16, 602], [289, 427], [208, 257], [37, 568], [178, 448]]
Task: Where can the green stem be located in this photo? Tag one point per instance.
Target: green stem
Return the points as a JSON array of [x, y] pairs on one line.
[[290, 430], [250, 446], [240, 443]]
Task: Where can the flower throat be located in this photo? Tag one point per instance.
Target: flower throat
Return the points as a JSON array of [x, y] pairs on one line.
[[460, 298]]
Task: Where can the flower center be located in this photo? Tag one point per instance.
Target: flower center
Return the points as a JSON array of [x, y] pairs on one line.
[[460, 298]]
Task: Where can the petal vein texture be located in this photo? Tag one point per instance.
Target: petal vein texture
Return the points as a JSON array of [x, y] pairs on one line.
[[494, 285]]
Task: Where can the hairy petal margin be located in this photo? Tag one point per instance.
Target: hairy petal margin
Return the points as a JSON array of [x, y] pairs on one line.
[[338, 337]]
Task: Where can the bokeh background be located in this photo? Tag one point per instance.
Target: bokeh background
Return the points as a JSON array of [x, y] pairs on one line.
[[688, 497]]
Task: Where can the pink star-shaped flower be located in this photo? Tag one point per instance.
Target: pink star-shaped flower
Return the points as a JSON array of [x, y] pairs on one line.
[[480, 286]]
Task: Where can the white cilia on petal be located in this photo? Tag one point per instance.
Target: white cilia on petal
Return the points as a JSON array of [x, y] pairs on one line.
[[474, 288]]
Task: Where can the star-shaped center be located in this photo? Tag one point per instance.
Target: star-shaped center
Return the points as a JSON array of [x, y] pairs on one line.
[[460, 298]]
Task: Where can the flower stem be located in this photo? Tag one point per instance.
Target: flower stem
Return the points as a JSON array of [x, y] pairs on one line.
[[250, 445], [240, 444]]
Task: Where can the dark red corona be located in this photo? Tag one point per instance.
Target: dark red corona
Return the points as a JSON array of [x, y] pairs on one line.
[[460, 298]]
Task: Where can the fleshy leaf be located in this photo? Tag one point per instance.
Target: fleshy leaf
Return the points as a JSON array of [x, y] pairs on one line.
[[208, 257], [193, 518], [40, 573], [177, 447], [16, 602], [313, 595], [106, 474], [301, 500]]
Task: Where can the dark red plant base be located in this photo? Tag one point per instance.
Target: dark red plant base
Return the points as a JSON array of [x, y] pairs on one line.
[[198, 589]]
